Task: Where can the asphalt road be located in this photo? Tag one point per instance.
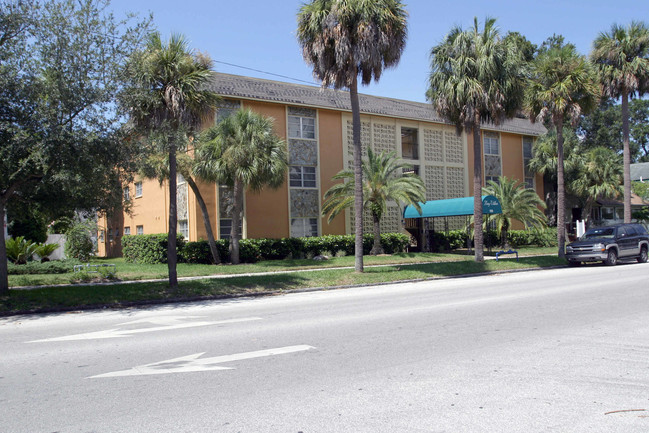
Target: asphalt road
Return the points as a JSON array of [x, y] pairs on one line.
[[563, 350]]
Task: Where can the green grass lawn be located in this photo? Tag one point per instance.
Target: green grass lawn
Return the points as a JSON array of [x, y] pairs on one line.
[[397, 267]]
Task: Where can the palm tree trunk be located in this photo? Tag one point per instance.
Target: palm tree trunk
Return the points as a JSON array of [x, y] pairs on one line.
[[377, 248], [4, 268], [478, 236], [206, 220], [627, 157], [561, 192], [237, 193], [172, 257], [358, 175]]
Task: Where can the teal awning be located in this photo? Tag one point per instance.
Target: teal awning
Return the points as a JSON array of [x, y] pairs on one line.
[[453, 207]]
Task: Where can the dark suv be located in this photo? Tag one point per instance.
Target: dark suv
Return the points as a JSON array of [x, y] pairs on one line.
[[607, 244]]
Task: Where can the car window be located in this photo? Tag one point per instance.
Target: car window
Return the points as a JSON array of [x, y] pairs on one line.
[[630, 230], [641, 230], [598, 233], [621, 232]]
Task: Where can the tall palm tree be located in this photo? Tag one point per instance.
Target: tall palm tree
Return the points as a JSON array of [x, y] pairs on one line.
[[600, 176], [167, 101], [382, 182], [476, 77], [517, 203], [621, 56], [562, 86], [343, 39], [242, 152]]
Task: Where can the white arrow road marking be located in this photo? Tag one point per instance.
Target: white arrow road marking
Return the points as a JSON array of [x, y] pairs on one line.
[[119, 333], [191, 363]]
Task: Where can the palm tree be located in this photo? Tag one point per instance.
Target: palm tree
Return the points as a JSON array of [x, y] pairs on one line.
[[167, 101], [343, 39], [621, 59], [600, 176], [517, 203], [476, 77], [156, 166], [242, 152], [544, 161], [382, 182], [561, 88]]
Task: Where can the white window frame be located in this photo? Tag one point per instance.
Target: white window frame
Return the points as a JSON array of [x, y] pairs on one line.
[[183, 228], [303, 132], [304, 227], [127, 193], [303, 176], [488, 150], [127, 231], [138, 189], [139, 230]]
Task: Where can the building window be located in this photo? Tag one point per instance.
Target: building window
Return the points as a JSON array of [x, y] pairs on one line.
[[225, 228], [301, 176], [127, 231], [127, 193], [491, 144], [183, 229], [138, 189], [301, 127], [528, 142], [413, 169], [304, 227], [225, 109], [139, 230], [409, 143]]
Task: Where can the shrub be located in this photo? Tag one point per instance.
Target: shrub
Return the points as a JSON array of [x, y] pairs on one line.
[[148, 249], [78, 240], [44, 251], [52, 267], [253, 250], [19, 249]]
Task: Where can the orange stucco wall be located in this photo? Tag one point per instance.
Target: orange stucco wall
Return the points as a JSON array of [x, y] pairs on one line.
[[331, 162], [266, 212]]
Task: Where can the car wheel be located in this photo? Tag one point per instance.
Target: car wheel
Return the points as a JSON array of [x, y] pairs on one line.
[[611, 259], [574, 263], [642, 258]]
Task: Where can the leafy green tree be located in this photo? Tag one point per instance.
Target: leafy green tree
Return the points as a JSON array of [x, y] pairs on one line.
[[476, 77], [242, 152], [641, 189], [622, 59], [517, 203], [78, 240], [168, 101], [343, 39], [562, 87], [382, 182], [60, 69]]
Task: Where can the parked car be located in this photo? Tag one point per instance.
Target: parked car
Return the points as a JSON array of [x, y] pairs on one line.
[[608, 244]]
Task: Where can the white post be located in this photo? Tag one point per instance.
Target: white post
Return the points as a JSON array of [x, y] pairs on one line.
[[581, 227]]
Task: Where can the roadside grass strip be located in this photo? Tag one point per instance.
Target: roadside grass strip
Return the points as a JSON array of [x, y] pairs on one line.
[[71, 297]]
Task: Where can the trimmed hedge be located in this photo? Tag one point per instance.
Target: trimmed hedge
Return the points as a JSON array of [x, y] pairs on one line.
[[148, 249], [51, 267], [253, 250], [456, 239]]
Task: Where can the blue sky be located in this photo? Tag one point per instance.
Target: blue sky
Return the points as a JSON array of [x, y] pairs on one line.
[[260, 34]]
